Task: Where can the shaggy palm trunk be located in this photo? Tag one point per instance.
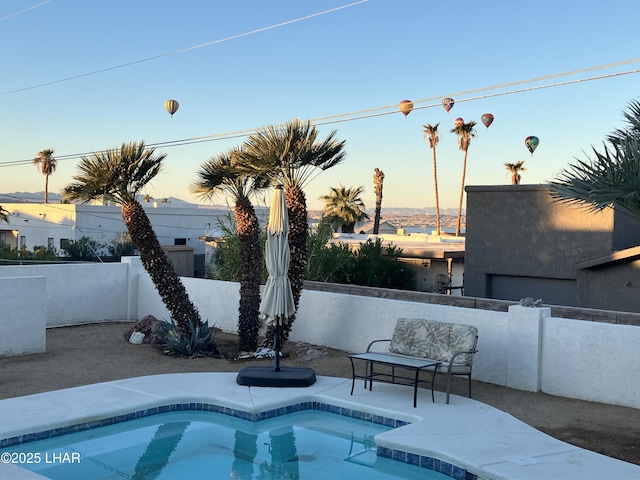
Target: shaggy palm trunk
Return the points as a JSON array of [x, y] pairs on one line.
[[435, 182], [515, 178], [46, 188], [157, 264], [348, 227], [378, 178], [250, 275], [464, 172], [298, 223]]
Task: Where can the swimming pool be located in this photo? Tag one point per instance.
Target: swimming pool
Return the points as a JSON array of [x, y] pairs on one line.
[[466, 433], [195, 440]]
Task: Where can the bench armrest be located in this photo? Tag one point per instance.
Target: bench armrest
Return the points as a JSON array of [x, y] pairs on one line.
[[377, 341], [473, 352]]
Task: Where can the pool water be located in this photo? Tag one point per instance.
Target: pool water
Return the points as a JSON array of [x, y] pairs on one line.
[[195, 445]]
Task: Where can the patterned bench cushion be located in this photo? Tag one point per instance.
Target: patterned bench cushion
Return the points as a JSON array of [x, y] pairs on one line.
[[434, 340]]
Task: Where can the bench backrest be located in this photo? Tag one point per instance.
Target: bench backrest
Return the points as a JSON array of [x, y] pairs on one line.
[[435, 340]]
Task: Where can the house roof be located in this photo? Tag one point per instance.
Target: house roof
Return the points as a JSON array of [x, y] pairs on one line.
[[367, 227], [413, 246], [626, 255]]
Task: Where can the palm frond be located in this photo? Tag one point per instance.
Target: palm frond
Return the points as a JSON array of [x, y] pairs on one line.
[[122, 172], [632, 117], [289, 154], [611, 178]]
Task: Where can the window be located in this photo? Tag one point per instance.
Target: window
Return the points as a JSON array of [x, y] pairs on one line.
[[23, 242], [50, 242]]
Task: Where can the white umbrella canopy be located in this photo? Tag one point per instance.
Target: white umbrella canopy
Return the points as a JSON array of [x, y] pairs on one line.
[[277, 303], [277, 299]]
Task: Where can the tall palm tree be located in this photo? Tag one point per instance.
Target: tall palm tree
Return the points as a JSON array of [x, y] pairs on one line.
[[513, 169], [431, 133], [45, 162], [218, 176], [378, 178], [291, 155], [465, 133], [122, 173], [4, 215], [612, 177], [344, 207]]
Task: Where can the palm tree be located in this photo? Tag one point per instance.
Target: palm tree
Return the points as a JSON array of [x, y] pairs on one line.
[[291, 155], [218, 176], [431, 132], [514, 168], [378, 178], [4, 215], [612, 177], [465, 133], [344, 207], [45, 162], [123, 173]]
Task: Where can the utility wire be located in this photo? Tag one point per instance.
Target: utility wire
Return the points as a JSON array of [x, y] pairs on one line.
[[15, 14], [182, 50], [381, 111]]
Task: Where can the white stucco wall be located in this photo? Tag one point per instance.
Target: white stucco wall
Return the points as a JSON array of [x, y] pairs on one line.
[[76, 293], [23, 315], [524, 348], [592, 361]]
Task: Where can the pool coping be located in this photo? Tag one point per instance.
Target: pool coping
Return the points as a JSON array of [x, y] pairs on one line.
[[465, 438]]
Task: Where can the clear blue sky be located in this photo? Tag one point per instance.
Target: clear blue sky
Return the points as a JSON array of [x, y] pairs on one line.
[[370, 55]]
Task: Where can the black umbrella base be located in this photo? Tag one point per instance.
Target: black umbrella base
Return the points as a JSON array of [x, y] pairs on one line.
[[269, 377]]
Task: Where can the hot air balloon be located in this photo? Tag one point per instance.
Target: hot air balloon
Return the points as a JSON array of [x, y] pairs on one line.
[[487, 119], [171, 106], [458, 122], [405, 107], [532, 143], [447, 104]]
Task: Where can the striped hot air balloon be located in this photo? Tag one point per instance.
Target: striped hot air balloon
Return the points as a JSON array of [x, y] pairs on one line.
[[171, 106], [405, 107], [448, 103]]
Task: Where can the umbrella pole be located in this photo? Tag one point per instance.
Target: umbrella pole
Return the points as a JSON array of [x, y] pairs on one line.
[[277, 343]]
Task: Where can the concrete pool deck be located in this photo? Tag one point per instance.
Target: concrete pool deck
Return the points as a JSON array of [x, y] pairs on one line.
[[466, 433]]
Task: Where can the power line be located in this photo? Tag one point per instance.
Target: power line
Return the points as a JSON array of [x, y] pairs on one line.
[[182, 50], [15, 14], [385, 110]]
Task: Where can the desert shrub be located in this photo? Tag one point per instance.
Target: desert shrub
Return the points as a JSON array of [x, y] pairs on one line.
[[200, 341], [84, 249], [122, 246], [377, 265]]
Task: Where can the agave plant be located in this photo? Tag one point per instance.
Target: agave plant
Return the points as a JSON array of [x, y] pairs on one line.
[[200, 341]]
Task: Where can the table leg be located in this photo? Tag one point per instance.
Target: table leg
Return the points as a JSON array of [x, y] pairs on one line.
[[415, 388], [353, 378]]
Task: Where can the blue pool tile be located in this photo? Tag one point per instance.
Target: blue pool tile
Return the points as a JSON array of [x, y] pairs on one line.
[[413, 459]]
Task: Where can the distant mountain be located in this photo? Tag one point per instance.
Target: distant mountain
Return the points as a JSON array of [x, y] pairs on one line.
[[28, 197], [407, 212], [400, 212], [38, 197]]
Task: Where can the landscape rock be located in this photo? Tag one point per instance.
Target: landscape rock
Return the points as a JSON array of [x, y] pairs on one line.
[[307, 351], [136, 338], [148, 326]]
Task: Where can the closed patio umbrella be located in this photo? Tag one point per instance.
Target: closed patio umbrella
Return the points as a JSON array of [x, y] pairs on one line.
[[277, 303]]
